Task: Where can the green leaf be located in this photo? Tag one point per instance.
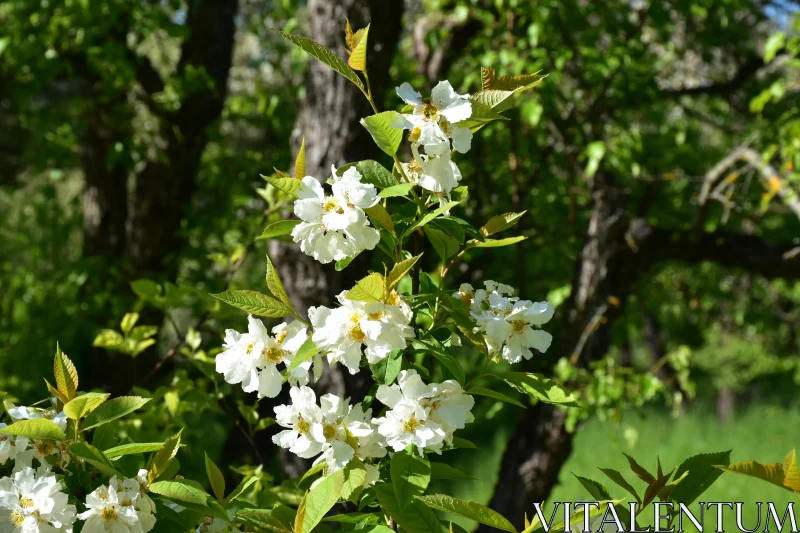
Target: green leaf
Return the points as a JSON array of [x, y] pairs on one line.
[[300, 161], [595, 488], [368, 289], [306, 351], [128, 321], [401, 189], [771, 473], [215, 478], [518, 83], [448, 360], [618, 478], [464, 444], [701, 474], [276, 286], [255, 303], [500, 222], [341, 264], [318, 501], [355, 477], [146, 289], [66, 375], [278, 229], [399, 270], [445, 245], [489, 393], [284, 183], [482, 114], [37, 428], [358, 56], [385, 136], [371, 172], [94, 457], [775, 42], [540, 388], [387, 369], [164, 456], [133, 448], [496, 243], [415, 518], [445, 471], [114, 409], [241, 488], [595, 151], [410, 476], [430, 216], [264, 519], [468, 509], [321, 53], [495, 99], [84, 404], [180, 491], [355, 518], [380, 217]]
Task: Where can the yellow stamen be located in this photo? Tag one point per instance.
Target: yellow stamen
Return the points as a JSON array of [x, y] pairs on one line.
[[250, 347], [430, 111], [108, 513], [25, 502], [375, 316], [517, 326], [411, 425], [302, 427], [272, 355], [329, 431], [17, 518], [415, 134]]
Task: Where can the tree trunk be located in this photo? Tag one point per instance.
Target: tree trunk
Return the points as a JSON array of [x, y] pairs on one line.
[[143, 229], [605, 273], [329, 121]]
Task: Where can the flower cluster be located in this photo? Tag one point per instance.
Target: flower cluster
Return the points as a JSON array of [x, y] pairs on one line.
[[120, 507], [22, 450], [252, 358], [31, 503], [333, 430], [506, 321], [433, 126], [423, 415], [335, 227], [372, 328]]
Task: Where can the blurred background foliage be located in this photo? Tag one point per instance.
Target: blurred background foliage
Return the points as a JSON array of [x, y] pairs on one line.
[[657, 164]]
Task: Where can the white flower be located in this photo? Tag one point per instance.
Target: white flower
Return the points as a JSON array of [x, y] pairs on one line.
[[15, 449], [335, 227], [450, 407], [507, 321], [344, 432], [145, 507], [289, 337], [31, 504], [408, 421], [377, 327], [433, 121], [298, 418], [440, 175], [28, 413], [118, 508], [252, 358]]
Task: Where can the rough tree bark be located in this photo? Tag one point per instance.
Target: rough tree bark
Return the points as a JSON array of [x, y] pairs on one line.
[[618, 249], [140, 224], [329, 121]]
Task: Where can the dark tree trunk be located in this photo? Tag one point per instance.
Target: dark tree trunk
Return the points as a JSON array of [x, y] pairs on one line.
[[605, 273], [329, 121], [143, 227]]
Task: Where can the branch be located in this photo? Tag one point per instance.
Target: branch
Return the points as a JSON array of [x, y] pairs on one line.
[[770, 178], [743, 74], [748, 252]]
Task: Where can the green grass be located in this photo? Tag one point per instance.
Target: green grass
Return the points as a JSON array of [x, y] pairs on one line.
[[764, 433]]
